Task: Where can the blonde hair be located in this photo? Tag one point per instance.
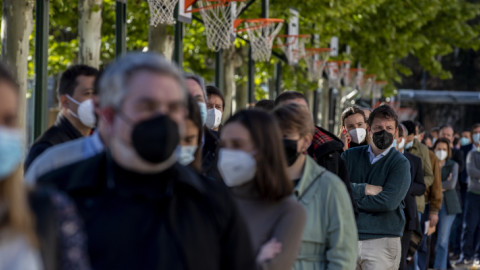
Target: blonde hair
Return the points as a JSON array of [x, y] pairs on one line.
[[17, 217]]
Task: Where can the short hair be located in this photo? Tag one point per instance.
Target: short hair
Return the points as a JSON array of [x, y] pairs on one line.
[[351, 111], [7, 77], [212, 90], [444, 127], [477, 125], [271, 179], [426, 137], [199, 80], [294, 117], [445, 141], [265, 104], [410, 125], [113, 85], [421, 128], [402, 130], [289, 95], [434, 129], [383, 111], [68, 80]]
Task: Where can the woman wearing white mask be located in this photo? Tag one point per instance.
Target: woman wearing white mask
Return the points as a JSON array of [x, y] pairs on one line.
[[189, 150], [330, 238], [451, 204], [57, 241], [354, 124], [252, 163]]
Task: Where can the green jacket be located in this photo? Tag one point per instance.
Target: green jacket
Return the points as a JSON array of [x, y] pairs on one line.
[[330, 239], [421, 151]]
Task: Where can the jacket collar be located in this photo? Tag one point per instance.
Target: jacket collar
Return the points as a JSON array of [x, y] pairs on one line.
[[64, 124], [311, 172], [83, 178]]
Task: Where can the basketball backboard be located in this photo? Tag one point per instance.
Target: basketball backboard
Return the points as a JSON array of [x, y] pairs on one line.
[[185, 11], [293, 29]]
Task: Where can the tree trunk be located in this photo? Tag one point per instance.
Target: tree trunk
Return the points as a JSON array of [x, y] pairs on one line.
[[229, 80], [309, 95], [241, 93], [325, 104], [89, 30], [160, 41], [17, 25]]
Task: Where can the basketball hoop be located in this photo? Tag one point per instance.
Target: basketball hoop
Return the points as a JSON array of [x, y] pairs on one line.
[[336, 71], [356, 78], [162, 11], [261, 33], [316, 59], [369, 84], [293, 47], [218, 18]]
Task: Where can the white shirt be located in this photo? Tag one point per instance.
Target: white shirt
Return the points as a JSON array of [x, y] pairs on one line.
[[373, 158]]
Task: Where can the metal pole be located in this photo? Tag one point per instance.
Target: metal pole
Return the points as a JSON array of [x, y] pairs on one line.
[[178, 50], [265, 9], [219, 72], [251, 77], [120, 28], [41, 72], [278, 78]]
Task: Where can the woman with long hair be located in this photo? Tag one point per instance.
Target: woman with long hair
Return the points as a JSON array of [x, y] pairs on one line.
[[252, 163], [450, 205], [56, 239]]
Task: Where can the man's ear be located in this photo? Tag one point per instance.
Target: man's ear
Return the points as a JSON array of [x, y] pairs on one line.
[[63, 101]]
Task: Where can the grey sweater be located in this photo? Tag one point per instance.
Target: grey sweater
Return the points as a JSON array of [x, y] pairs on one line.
[[283, 220], [473, 170]]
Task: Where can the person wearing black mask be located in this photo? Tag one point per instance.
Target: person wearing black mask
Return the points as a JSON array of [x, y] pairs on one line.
[[380, 179], [142, 209], [330, 237]]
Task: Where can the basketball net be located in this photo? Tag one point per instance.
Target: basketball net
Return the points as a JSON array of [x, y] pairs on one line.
[[218, 17], [261, 39], [162, 11]]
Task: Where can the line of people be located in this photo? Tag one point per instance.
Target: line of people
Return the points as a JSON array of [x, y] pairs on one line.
[[138, 172]]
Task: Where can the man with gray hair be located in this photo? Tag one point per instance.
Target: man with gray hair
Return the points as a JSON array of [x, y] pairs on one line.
[[142, 209]]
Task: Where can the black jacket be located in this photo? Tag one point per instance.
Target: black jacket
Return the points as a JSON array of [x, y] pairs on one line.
[[417, 188], [62, 131], [209, 154], [174, 221]]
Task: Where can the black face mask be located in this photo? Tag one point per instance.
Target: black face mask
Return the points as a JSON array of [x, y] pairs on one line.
[[382, 139], [291, 153], [155, 139]]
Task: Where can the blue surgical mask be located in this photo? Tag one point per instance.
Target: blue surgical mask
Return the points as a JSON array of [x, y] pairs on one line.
[[476, 138], [394, 144], [11, 151], [186, 154], [203, 112], [464, 141]]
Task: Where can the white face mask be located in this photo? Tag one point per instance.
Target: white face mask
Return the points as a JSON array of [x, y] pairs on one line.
[[358, 135], [85, 112], [236, 167], [409, 145], [214, 118], [186, 154], [476, 138], [401, 144], [441, 154]]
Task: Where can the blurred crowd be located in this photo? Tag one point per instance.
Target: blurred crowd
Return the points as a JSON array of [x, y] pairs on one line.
[[142, 170]]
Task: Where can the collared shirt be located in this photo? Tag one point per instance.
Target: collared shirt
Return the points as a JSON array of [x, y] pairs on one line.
[[64, 154], [373, 158]]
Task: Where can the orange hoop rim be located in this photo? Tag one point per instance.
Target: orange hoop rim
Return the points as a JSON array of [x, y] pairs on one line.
[[340, 61], [357, 69], [262, 23], [295, 36], [367, 76], [381, 82], [318, 50], [215, 3]]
